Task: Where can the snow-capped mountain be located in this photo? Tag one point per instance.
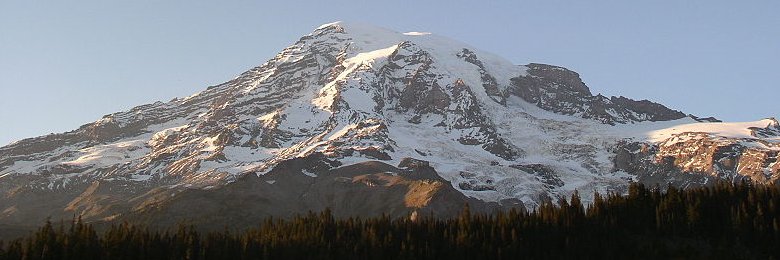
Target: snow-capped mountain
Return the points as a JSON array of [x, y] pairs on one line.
[[366, 120]]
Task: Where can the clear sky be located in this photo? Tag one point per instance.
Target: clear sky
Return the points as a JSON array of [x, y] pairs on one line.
[[67, 63]]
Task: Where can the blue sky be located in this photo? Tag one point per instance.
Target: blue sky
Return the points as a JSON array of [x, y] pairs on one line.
[[67, 63]]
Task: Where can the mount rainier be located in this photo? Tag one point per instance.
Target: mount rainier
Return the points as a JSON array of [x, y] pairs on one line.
[[368, 121]]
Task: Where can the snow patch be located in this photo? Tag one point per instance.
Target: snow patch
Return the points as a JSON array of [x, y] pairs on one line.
[[416, 33]]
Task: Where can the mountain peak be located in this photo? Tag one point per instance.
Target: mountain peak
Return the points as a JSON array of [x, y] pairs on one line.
[[357, 28], [351, 93], [366, 37], [359, 31]]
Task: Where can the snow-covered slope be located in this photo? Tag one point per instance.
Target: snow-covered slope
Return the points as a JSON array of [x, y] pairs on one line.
[[354, 93]]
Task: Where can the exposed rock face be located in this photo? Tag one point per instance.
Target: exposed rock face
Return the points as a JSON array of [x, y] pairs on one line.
[[543, 173], [772, 129], [322, 124], [705, 119], [562, 91], [708, 155], [312, 184]]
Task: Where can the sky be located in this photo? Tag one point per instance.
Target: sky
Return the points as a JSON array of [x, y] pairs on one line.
[[67, 63]]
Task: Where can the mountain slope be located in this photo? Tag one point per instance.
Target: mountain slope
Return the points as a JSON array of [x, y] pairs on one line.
[[349, 94]]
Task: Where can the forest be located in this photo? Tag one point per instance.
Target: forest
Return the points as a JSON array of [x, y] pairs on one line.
[[725, 220]]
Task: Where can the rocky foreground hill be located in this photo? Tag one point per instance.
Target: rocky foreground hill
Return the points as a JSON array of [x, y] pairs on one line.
[[367, 121]]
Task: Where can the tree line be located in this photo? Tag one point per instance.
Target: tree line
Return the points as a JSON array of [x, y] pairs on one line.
[[721, 221]]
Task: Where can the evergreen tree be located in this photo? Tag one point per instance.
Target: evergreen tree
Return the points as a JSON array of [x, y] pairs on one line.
[[722, 221]]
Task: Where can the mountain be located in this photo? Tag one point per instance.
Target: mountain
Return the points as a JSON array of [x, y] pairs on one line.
[[366, 121]]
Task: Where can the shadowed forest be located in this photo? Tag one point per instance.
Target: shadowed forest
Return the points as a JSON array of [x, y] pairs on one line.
[[722, 221]]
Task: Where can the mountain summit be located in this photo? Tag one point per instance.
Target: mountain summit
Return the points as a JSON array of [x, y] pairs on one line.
[[365, 121]]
